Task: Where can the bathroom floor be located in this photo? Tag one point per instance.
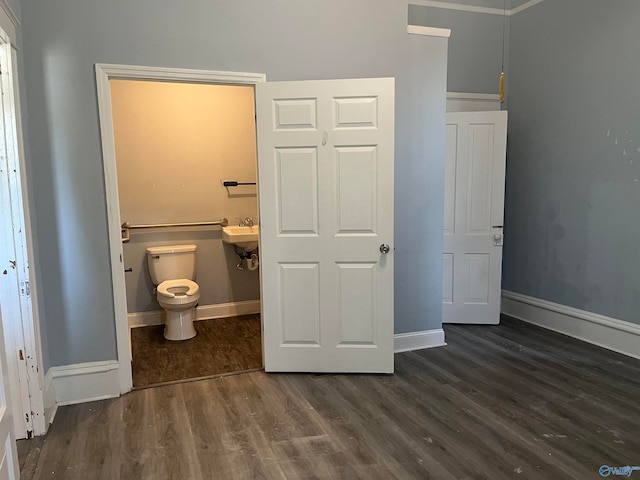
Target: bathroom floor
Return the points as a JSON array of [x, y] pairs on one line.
[[223, 345]]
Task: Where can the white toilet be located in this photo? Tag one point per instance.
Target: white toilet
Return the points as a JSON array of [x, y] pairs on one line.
[[173, 269]]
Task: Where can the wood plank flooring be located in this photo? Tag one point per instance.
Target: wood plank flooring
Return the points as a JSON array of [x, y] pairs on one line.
[[223, 345], [503, 402]]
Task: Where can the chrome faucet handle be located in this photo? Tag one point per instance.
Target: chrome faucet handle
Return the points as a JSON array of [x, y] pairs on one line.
[[240, 222], [248, 222]]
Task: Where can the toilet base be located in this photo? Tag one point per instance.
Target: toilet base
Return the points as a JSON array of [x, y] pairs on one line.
[[179, 325]]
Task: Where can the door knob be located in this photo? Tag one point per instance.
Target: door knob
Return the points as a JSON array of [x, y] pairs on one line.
[[384, 248]]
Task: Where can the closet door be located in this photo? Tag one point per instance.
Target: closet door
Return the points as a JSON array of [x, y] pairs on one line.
[[473, 216]]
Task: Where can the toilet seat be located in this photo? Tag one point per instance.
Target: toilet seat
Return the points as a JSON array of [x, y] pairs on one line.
[[178, 288], [178, 298]]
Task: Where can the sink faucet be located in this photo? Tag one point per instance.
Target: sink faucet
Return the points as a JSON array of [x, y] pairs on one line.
[[248, 222]]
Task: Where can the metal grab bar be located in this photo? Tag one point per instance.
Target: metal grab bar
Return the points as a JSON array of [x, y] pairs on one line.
[[233, 183], [126, 226]]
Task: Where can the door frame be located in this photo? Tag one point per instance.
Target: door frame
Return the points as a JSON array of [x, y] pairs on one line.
[[27, 379], [105, 73]]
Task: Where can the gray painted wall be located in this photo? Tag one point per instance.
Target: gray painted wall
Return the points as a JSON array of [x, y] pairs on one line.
[[287, 40], [475, 46], [573, 174]]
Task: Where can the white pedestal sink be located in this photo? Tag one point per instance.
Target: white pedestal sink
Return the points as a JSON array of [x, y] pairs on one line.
[[243, 237]]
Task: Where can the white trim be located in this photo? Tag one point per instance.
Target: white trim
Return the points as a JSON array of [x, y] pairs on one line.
[[472, 102], [30, 373], [407, 342], [524, 6], [203, 312], [9, 22], [429, 31], [31, 327], [177, 74], [85, 382], [10, 13], [459, 6], [474, 8], [485, 97], [145, 319], [50, 405], [105, 72], [113, 218], [610, 333]]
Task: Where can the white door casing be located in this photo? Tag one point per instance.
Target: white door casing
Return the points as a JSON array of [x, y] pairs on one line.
[[11, 268], [104, 73], [325, 169], [473, 216], [21, 329], [9, 469]]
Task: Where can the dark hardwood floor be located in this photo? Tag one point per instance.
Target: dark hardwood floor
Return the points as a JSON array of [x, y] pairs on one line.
[[223, 345], [503, 402]]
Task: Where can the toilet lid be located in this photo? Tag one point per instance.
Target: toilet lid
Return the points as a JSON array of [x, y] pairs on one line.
[[181, 286]]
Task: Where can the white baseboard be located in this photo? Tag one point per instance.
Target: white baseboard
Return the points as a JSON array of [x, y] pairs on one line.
[[49, 400], [610, 333], [203, 312], [406, 342], [86, 382], [82, 382]]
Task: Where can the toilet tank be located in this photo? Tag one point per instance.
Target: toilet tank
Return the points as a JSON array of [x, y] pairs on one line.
[[171, 262]]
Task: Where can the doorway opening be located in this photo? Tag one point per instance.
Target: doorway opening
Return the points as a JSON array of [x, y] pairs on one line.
[[171, 139], [176, 146]]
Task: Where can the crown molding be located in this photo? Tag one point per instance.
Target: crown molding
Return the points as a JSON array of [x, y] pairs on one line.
[[429, 31], [9, 12], [474, 8], [524, 6]]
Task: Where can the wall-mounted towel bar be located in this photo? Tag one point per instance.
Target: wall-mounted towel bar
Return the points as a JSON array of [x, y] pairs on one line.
[[233, 183], [126, 226]]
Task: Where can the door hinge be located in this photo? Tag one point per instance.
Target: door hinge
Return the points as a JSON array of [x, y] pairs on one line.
[[25, 289], [20, 355]]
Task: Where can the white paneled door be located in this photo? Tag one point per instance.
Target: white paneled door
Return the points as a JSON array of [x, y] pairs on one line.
[[325, 165], [473, 216], [9, 469]]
